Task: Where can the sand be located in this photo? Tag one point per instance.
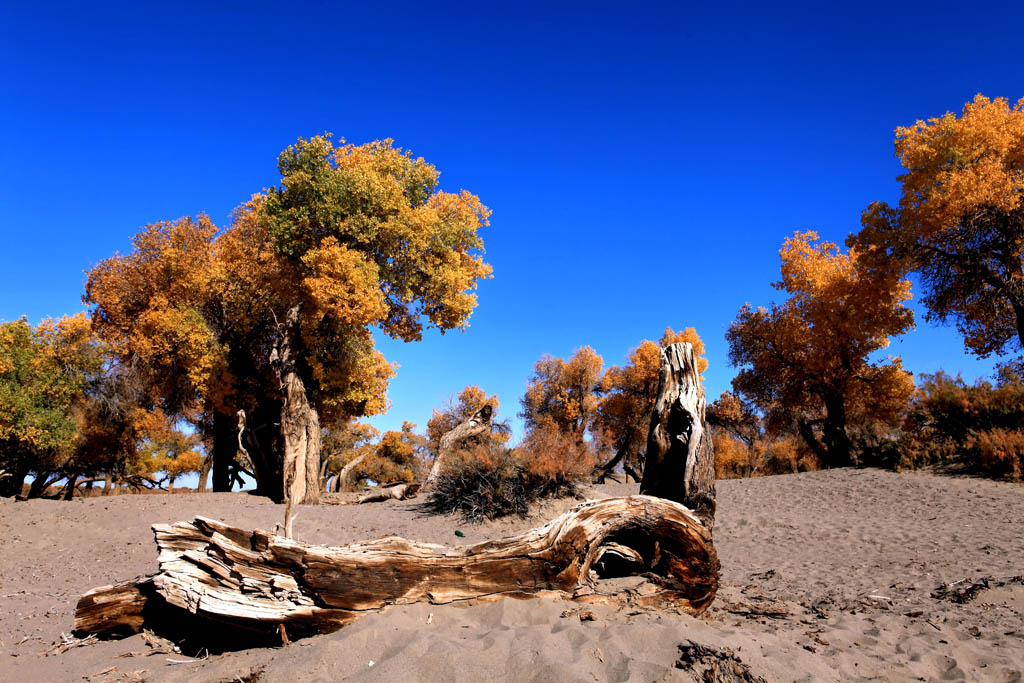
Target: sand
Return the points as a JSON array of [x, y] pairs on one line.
[[834, 575]]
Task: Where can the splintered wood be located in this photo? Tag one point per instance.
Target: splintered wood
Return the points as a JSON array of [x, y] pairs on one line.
[[256, 580]]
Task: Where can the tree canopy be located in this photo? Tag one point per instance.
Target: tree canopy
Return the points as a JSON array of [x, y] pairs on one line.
[[960, 221]]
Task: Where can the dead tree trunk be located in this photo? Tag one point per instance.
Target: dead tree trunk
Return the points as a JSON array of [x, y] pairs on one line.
[[300, 423], [262, 582], [680, 461], [477, 424], [343, 482]]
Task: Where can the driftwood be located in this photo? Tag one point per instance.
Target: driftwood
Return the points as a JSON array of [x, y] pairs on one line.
[[680, 460], [478, 423], [396, 492], [212, 572]]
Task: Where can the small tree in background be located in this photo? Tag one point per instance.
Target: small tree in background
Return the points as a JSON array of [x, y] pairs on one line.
[[398, 458], [563, 394], [44, 374]]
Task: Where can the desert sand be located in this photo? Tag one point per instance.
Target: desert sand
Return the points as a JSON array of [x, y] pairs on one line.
[[834, 575]]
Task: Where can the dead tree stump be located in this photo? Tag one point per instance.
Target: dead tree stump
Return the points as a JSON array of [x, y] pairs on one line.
[[680, 460], [212, 572]]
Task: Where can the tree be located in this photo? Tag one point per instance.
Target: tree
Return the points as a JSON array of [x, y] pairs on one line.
[[806, 363], [273, 315], [44, 373], [623, 413], [960, 221], [564, 394], [398, 458]]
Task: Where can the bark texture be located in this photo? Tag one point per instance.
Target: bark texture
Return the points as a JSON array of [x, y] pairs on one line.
[[209, 571], [300, 423], [477, 424], [680, 460]]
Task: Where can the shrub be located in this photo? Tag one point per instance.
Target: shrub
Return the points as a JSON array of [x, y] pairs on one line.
[[979, 427], [1000, 452], [734, 459], [486, 480], [480, 486]]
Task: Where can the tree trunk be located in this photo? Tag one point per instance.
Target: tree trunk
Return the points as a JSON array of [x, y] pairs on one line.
[[39, 485], [69, 488], [601, 473], [262, 582], [300, 424], [204, 474], [107, 481], [261, 439], [680, 461], [14, 483], [225, 446], [840, 450], [477, 424]]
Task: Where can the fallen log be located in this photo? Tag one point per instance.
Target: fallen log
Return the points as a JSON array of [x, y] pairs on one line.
[[212, 572], [396, 492]]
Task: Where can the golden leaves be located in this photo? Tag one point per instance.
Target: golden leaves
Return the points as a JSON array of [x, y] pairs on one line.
[[958, 164], [343, 284]]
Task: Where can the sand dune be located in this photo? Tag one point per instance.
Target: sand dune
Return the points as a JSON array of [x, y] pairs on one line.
[[833, 575]]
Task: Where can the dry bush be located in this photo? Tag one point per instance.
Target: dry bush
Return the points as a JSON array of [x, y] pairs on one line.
[[978, 427], [734, 459], [485, 481], [1000, 452]]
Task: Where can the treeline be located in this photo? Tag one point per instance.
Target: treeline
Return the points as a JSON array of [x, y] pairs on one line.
[[246, 349]]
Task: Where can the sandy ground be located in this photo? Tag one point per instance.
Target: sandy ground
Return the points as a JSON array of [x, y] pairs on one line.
[[826, 576]]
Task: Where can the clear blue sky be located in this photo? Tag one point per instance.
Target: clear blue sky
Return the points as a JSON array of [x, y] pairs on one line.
[[643, 162]]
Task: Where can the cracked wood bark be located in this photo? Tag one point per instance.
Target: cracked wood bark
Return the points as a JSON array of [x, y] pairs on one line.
[[478, 423], [258, 581], [680, 460]]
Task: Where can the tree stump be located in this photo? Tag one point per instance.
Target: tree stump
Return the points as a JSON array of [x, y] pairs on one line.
[[478, 423], [212, 572], [680, 460]]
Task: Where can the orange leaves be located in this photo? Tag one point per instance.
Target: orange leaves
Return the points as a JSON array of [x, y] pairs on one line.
[[809, 356], [958, 164], [960, 221], [563, 392], [342, 285]]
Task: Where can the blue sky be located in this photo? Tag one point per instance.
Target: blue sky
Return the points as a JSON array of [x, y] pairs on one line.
[[643, 162]]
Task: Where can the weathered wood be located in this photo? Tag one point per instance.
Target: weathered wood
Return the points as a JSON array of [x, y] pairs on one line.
[[116, 609], [396, 492], [680, 459], [258, 581], [478, 423]]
